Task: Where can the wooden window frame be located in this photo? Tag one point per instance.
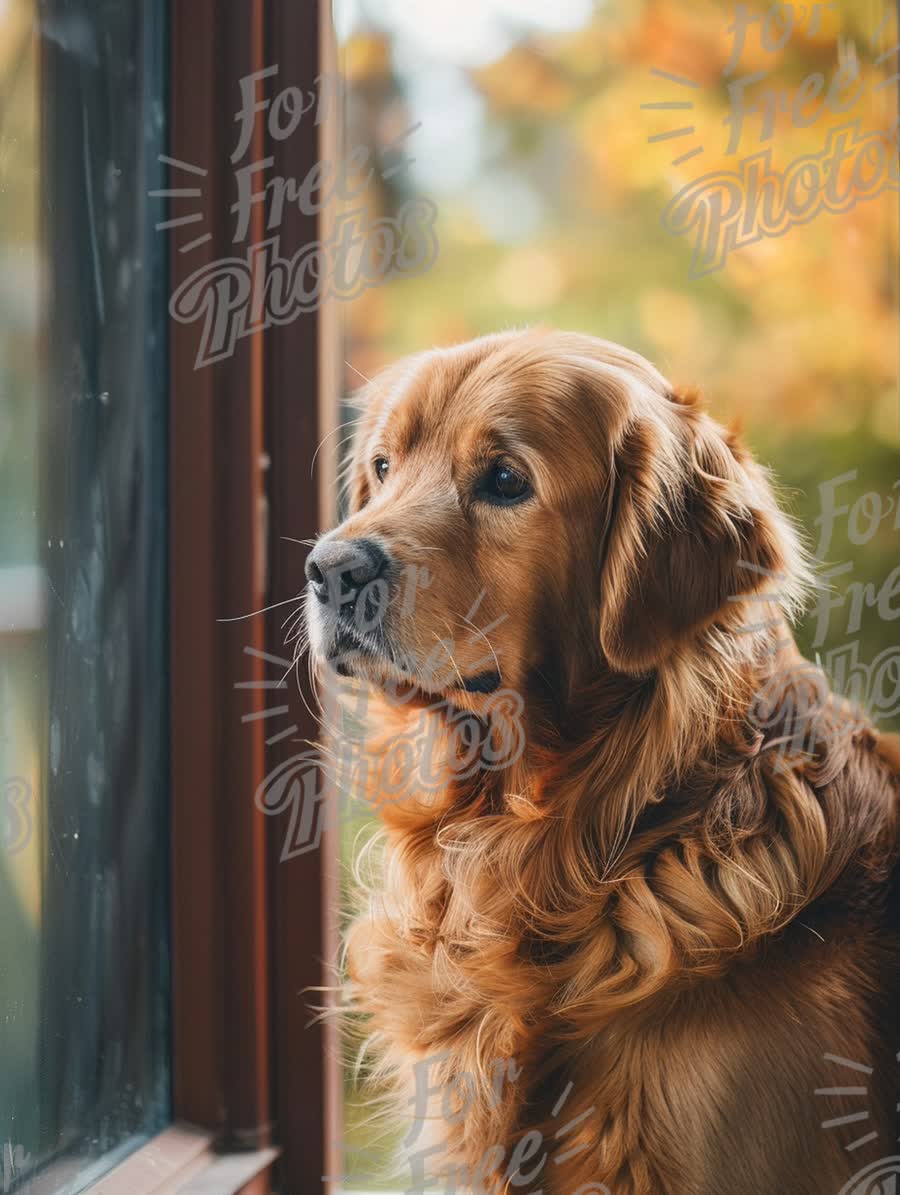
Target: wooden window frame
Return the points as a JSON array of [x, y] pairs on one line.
[[256, 1086]]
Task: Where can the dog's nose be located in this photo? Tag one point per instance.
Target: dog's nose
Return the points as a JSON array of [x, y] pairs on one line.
[[342, 568]]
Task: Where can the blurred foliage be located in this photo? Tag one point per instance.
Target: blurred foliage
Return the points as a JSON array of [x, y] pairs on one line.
[[21, 694], [795, 339], [19, 283], [550, 200]]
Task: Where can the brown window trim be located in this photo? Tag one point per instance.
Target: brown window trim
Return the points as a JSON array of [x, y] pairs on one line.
[[251, 934], [302, 390], [220, 954]]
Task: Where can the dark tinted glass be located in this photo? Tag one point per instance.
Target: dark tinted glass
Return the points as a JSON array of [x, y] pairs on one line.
[[84, 1021]]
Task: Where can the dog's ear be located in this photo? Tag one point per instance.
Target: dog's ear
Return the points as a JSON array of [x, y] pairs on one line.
[[693, 527]]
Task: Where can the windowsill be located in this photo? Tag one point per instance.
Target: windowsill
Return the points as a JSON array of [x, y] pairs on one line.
[[180, 1160], [228, 1174]]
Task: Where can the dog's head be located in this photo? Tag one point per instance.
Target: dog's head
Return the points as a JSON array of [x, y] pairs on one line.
[[531, 508]]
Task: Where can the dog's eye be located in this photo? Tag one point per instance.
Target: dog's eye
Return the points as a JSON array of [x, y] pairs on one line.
[[381, 466], [504, 486]]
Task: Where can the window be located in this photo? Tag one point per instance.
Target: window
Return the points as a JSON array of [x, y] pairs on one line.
[[84, 1031], [152, 1022]]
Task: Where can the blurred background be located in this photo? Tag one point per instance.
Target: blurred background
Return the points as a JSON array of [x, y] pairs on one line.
[[533, 139]]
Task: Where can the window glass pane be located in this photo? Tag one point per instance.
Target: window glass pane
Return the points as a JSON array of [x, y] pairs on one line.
[[83, 854], [576, 153]]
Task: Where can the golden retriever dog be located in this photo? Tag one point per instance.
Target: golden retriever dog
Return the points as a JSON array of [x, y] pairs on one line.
[[648, 943]]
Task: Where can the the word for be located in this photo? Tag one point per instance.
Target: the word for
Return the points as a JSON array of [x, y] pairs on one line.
[[456, 1095], [776, 26], [863, 517], [370, 604], [287, 109]]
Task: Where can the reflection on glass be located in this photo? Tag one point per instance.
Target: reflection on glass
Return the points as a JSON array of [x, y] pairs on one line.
[[83, 920], [555, 138]]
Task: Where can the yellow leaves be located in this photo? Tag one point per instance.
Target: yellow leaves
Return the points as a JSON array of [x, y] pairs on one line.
[[365, 56], [524, 79], [584, 54], [796, 331], [530, 279], [676, 37], [886, 417], [672, 320]]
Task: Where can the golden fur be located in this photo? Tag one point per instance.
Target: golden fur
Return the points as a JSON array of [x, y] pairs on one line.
[[679, 898]]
